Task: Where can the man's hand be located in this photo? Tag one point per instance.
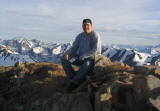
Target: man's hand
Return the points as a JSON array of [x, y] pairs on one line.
[[67, 57]]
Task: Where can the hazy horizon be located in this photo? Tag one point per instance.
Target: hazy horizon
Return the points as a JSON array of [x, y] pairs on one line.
[[64, 42], [131, 22]]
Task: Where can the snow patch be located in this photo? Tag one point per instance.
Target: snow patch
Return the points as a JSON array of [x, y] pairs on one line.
[[38, 50], [57, 50]]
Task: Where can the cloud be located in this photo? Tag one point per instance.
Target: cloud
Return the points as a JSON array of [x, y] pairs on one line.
[[115, 18], [31, 28], [40, 10]]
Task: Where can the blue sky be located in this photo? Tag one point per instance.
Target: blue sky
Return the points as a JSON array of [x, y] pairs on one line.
[[135, 22]]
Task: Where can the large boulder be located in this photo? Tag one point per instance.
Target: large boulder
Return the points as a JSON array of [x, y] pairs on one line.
[[116, 96], [144, 69], [101, 68], [105, 70], [147, 92], [153, 84]]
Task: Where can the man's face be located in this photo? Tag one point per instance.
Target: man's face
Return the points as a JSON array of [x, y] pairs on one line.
[[87, 27]]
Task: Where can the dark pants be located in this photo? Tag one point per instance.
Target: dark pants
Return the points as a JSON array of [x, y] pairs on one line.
[[77, 77]]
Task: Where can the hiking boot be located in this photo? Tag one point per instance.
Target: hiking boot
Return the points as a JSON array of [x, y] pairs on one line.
[[72, 86]]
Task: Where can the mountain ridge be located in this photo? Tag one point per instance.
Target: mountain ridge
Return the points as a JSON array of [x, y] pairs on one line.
[[52, 52]]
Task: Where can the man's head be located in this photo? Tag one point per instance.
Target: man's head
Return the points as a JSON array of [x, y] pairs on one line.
[[87, 26]]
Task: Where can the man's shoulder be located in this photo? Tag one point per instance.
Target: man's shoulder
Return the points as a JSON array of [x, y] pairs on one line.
[[95, 34], [80, 34]]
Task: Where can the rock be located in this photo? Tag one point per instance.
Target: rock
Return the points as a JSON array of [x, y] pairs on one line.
[[110, 87], [101, 60], [140, 69], [2, 101], [36, 106], [102, 64], [104, 69], [115, 96], [68, 102], [19, 108], [144, 69], [140, 92], [120, 66], [102, 99], [48, 104], [19, 64], [155, 102], [146, 91], [122, 96], [153, 84], [157, 70], [27, 64], [101, 68]]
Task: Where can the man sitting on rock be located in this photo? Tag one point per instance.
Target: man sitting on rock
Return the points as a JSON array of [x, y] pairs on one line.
[[86, 45]]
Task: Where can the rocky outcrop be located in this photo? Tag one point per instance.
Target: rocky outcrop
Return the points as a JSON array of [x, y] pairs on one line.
[[109, 87], [64, 102]]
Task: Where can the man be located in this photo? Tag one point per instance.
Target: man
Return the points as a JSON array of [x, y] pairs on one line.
[[86, 45]]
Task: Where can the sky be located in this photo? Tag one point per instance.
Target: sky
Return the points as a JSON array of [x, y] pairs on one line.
[[135, 22]]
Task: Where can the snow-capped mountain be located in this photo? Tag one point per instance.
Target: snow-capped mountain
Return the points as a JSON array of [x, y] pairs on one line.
[[133, 55], [35, 50], [18, 44], [9, 57], [143, 49], [154, 59], [50, 53], [128, 56], [155, 50]]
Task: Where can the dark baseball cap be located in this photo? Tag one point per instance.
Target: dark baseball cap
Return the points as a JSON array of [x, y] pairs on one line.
[[87, 20]]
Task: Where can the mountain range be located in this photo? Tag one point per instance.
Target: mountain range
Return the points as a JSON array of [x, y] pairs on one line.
[[22, 49]]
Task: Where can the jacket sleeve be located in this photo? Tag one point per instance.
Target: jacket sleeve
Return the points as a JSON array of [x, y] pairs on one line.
[[74, 47], [96, 48]]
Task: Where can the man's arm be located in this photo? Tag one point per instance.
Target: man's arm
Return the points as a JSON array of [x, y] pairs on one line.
[[73, 48], [95, 50]]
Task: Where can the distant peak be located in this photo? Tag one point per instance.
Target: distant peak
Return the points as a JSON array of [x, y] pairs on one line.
[[157, 46], [19, 38]]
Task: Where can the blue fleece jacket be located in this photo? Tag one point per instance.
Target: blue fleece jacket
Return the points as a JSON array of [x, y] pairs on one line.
[[86, 46]]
